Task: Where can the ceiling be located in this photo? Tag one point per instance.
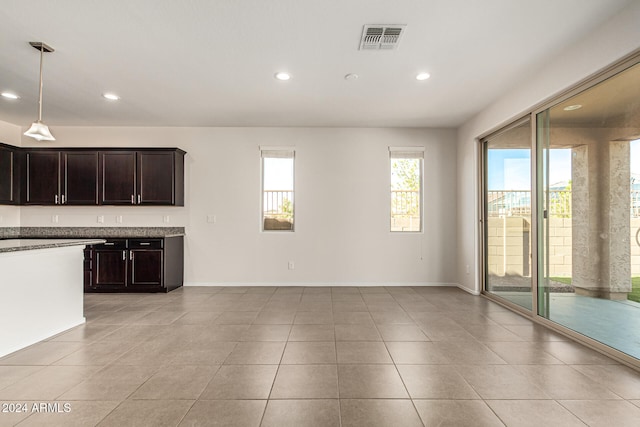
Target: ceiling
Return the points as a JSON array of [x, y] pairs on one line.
[[614, 102], [212, 62]]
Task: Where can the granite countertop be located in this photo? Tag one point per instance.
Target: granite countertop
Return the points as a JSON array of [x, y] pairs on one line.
[[88, 232], [14, 245]]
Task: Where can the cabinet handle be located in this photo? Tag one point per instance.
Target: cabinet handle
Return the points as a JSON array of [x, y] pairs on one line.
[[130, 255], [109, 244], [138, 199], [145, 243], [55, 199], [64, 199], [124, 255], [133, 201]]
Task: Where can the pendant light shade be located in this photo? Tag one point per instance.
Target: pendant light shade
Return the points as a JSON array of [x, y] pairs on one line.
[[39, 130]]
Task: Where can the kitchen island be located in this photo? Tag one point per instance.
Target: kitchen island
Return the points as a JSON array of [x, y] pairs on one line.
[[41, 288]]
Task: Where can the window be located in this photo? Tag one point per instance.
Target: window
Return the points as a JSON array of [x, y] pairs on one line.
[[406, 188], [277, 188]]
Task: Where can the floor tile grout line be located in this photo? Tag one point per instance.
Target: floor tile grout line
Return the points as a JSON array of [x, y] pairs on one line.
[[398, 372], [273, 383]]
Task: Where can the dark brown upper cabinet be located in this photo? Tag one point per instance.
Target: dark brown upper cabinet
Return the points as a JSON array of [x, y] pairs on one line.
[[118, 177], [83, 176], [62, 178], [10, 167], [143, 177], [79, 178], [43, 178]]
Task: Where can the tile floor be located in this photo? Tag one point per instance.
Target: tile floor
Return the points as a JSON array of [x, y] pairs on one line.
[[293, 356]]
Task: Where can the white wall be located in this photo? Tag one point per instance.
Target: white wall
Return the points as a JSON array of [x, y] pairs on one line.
[[342, 204], [615, 39], [10, 134]]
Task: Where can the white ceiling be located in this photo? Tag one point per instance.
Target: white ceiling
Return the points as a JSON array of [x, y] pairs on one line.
[[212, 62]]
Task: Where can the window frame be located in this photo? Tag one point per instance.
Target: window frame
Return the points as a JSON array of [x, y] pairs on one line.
[[416, 152], [286, 152]]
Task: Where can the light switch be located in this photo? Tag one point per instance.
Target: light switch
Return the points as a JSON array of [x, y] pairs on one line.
[[211, 219]]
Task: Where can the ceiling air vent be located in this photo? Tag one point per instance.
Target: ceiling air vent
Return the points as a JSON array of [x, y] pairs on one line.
[[381, 37]]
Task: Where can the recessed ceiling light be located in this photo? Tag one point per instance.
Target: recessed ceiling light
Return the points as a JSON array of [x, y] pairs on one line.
[[110, 96], [9, 95], [351, 76], [572, 107], [283, 76], [423, 76]]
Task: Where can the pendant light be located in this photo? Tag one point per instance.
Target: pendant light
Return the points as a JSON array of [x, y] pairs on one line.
[[39, 130]]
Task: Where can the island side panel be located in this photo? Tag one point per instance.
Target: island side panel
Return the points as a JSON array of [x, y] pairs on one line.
[[42, 295]]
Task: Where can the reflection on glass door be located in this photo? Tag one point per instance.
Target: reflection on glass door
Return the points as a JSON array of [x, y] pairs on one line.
[[507, 205], [588, 152]]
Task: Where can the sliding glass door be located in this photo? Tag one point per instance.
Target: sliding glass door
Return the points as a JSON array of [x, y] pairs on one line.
[[507, 213], [588, 152]]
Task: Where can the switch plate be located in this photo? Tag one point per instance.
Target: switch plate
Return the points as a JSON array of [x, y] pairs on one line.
[[100, 219], [292, 265], [119, 219], [211, 219], [54, 219], [166, 219]]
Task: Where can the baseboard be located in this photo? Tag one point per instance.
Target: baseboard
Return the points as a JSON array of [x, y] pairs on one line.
[[464, 288], [321, 284]]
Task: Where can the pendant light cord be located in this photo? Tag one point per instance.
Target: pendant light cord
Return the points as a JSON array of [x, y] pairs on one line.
[[40, 100]]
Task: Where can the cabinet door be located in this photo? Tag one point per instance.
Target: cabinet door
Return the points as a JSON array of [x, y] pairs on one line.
[[7, 165], [43, 177], [118, 177], [156, 178], [146, 267], [110, 269], [80, 178]]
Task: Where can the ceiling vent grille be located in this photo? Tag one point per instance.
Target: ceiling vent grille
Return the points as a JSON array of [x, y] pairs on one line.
[[381, 37]]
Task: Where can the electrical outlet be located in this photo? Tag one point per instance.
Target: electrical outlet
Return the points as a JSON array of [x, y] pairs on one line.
[[119, 219], [54, 219], [292, 266], [211, 219], [100, 219], [166, 218]]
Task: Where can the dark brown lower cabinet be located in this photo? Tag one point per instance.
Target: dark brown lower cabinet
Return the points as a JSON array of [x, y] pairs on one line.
[[110, 271], [135, 265], [146, 262]]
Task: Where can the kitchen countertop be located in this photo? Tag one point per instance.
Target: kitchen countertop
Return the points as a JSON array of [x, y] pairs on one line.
[[89, 232], [14, 245]]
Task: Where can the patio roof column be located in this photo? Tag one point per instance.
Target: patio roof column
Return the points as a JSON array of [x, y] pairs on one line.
[[601, 258]]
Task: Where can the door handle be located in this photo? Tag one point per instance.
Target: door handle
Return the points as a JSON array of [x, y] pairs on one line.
[[130, 255], [138, 199], [124, 255], [64, 199], [133, 200], [55, 198]]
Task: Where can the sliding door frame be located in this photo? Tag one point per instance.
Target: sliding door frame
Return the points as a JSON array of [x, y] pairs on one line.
[[482, 209], [584, 84]]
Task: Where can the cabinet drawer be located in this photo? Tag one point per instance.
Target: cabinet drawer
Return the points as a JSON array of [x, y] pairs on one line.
[[112, 244], [145, 243]]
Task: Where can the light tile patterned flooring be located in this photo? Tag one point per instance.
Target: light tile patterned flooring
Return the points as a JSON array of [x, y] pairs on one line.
[[294, 356]]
